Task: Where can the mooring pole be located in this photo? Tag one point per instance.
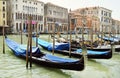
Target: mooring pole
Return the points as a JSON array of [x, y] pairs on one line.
[[36, 35], [3, 40], [70, 36], [21, 33], [30, 41], [27, 51], [53, 37]]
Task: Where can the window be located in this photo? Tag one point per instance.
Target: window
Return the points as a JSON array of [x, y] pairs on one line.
[[23, 7], [42, 4], [102, 12], [25, 1], [109, 14], [16, 6], [16, 16], [3, 22], [36, 9], [101, 18], [16, 26], [3, 8], [50, 12], [3, 15], [12, 15], [41, 27], [3, 2]]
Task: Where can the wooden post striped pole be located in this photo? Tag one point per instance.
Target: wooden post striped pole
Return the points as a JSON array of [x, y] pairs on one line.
[[91, 37], [21, 33], [36, 35], [53, 37], [27, 51], [30, 41], [3, 40], [70, 37]]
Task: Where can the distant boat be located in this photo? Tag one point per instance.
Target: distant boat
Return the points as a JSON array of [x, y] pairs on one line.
[[45, 59], [95, 45], [75, 53], [116, 37], [111, 39]]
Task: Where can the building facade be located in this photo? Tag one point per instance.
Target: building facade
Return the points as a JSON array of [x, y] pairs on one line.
[[115, 26], [3, 16], [21, 10], [105, 19], [81, 20], [56, 18], [3, 13], [99, 18]]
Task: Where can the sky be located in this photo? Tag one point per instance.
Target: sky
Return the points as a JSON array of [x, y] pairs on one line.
[[113, 5]]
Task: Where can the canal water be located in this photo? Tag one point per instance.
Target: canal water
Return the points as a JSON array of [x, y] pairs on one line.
[[14, 67]]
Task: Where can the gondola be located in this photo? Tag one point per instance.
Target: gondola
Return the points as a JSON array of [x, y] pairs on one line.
[[111, 39], [95, 45], [45, 59], [77, 52], [116, 37]]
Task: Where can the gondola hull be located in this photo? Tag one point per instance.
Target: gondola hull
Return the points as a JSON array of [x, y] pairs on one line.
[[45, 59], [104, 55], [78, 66]]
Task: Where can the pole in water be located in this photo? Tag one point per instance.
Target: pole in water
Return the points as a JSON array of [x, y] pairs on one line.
[[21, 32], [27, 53], [36, 35], [28, 44], [30, 41], [70, 40], [70, 36], [84, 53], [53, 38], [3, 40]]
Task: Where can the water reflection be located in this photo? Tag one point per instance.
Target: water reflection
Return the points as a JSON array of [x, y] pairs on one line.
[[14, 67], [97, 65]]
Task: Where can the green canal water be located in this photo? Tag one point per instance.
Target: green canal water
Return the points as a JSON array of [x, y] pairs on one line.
[[14, 67]]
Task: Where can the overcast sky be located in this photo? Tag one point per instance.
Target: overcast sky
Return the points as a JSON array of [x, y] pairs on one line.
[[113, 5]]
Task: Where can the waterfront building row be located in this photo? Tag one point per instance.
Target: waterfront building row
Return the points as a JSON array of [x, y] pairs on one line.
[[48, 17], [97, 18], [43, 15]]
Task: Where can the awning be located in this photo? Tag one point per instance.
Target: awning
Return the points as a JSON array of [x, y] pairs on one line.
[[33, 22]]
